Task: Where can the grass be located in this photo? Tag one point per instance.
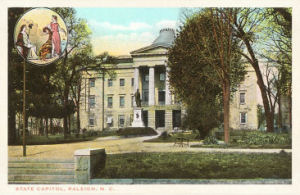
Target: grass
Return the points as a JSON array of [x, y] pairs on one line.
[[172, 137], [197, 166], [265, 146], [59, 138]]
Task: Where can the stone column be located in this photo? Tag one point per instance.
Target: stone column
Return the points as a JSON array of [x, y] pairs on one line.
[[136, 83], [151, 87], [168, 93]]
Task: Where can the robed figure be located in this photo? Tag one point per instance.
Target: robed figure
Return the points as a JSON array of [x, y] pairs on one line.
[[137, 98]]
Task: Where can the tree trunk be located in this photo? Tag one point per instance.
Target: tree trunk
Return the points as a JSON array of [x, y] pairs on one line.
[[78, 106], [226, 106], [46, 132], [51, 126], [66, 101], [290, 110], [78, 121], [279, 112], [41, 126], [260, 82], [26, 124], [12, 138], [69, 123]]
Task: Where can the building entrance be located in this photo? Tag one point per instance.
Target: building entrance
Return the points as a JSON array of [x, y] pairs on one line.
[[176, 118], [145, 118], [159, 118]]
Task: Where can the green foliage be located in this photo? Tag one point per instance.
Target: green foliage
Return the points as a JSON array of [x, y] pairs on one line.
[[261, 116], [202, 116], [264, 138], [136, 131], [173, 136], [164, 135], [209, 140], [196, 166], [200, 67]]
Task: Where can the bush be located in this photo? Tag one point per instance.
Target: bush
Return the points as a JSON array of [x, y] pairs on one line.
[[136, 131], [91, 133], [164, 135], [210, 140], [262, 138]]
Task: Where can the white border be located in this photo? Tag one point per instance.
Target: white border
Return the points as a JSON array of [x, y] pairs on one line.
[[294, 188]]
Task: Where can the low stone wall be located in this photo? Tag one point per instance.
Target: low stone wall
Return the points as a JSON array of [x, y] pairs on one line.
[[87, 163]]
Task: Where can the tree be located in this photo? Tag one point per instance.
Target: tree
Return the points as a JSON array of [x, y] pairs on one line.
[[14, 74], [252, 26], [279, 53], [204, 61], [79, 39]]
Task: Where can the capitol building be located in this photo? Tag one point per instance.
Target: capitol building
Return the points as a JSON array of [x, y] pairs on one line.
[[108, 103]]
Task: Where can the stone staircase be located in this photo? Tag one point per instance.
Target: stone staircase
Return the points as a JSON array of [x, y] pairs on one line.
[[37, 171]]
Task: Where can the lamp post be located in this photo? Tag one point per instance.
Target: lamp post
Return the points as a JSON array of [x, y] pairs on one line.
[[24, 108]]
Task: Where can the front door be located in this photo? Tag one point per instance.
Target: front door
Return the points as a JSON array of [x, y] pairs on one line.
[[145, 118], [159, 118]]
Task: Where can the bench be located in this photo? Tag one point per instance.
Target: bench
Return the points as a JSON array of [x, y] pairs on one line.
[[181, 141]]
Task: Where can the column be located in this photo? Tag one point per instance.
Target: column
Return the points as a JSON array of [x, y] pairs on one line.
[[168, 94], [151, 86], [136, 83]]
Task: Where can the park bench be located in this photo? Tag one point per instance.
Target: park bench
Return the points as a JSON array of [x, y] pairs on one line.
[[181, 141]]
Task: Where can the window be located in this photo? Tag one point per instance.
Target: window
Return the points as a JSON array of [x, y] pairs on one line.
[[242, 98], [161, 97], [122, 82], [92, 82], [146, 77], [122, 101], [132, 81], [243, 117], [121, 120], [110, 83], [109, 102], [91, 121], [92, 101], [162, 76]]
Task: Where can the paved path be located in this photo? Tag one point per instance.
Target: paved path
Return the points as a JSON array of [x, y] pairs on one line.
[[115, 145]]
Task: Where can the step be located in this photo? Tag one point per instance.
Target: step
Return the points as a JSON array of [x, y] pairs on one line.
[[42, 182], [37, 160], [31, 177], [22, 171], [41, 165]]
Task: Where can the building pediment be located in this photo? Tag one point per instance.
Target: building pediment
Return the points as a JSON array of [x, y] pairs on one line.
[[151, 50]]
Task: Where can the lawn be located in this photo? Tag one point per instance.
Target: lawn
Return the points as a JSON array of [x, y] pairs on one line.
[[197, 166], [172, 137], [59, 138], [245, 146]]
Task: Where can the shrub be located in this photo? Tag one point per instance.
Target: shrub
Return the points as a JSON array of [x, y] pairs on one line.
[[91, 133], [164, 135], [210, 140], [136, 131], [262, 138]]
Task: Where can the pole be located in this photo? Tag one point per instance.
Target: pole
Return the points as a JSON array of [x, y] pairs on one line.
[[24, 108], [102, 99]]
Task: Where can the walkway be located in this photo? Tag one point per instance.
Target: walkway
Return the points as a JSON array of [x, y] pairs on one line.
[[115, 145]]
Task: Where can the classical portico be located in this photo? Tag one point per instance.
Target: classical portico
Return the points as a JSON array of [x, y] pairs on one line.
[[152, 80]]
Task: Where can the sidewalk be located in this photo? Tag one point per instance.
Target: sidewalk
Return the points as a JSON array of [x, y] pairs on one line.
[[114, 145]]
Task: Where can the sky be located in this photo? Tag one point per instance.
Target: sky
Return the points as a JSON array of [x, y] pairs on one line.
[[122, 30]]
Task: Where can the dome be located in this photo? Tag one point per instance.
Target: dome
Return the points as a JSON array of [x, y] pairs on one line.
[[166, 38]]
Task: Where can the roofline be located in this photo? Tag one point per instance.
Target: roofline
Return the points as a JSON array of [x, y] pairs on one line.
[[148, 47]]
